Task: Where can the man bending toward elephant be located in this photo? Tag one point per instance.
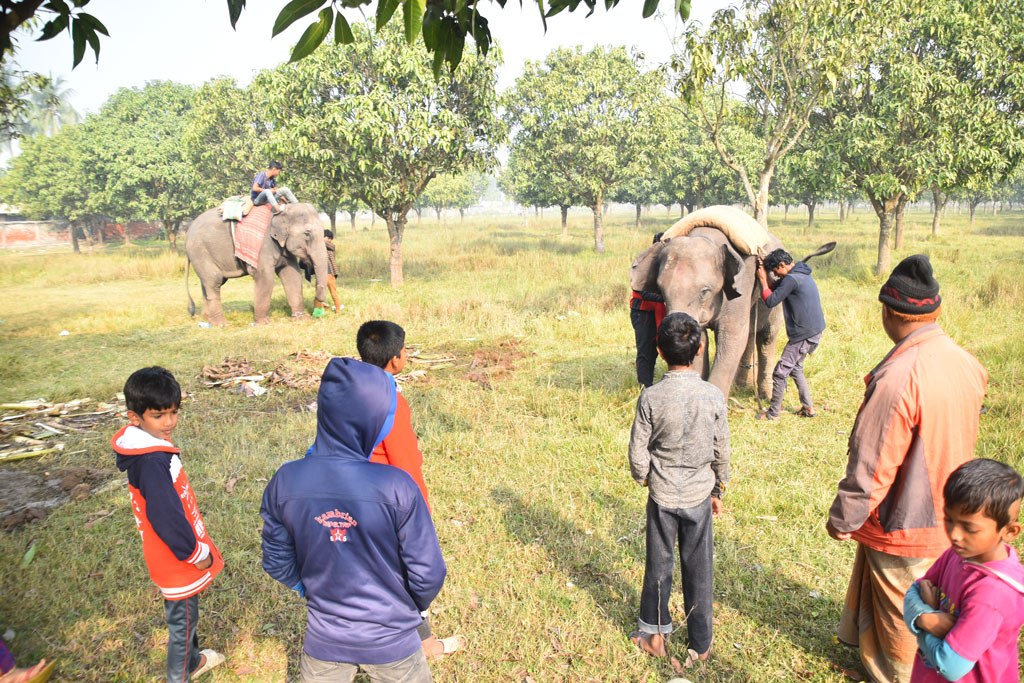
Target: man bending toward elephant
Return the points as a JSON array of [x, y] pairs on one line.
[[265, 190], [796, 290]]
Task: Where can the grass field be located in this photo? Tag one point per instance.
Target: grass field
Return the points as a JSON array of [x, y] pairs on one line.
[[539, 520]]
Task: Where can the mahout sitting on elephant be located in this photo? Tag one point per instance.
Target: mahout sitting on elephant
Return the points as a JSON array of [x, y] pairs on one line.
[[294, 237]]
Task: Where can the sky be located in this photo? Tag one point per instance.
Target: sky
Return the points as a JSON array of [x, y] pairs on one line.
[[191, 41]]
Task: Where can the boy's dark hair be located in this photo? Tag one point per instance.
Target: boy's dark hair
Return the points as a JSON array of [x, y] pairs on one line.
[[776, 259], [985, 485], [275, 164], [679, 339], [151, 388], [378, 341], [657, 237], [328, 235]]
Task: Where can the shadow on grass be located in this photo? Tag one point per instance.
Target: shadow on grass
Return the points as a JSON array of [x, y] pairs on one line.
[[585, 560]]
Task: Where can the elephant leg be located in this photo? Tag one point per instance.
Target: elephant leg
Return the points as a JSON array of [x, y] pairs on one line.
[[729, 346], [767, 336], [263, 288], [291, 278], [745, 374], [211, 302]]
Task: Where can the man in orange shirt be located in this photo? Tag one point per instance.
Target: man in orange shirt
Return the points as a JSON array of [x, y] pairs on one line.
[[918, 423], [382, 343]]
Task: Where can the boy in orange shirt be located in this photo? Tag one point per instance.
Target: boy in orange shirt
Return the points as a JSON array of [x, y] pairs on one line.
[[382, 343]]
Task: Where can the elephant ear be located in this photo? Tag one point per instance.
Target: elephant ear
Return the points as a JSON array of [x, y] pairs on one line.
[[279, 232], [643, 274], [732, 264]]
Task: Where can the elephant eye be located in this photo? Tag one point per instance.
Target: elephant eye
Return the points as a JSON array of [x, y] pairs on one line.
[[704, 293]]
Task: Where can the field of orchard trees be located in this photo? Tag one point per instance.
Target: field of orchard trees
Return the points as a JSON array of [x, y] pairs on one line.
[[775, 102]]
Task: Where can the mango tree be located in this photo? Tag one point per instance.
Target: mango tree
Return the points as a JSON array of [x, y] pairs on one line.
[[593, 115], [373, 113]]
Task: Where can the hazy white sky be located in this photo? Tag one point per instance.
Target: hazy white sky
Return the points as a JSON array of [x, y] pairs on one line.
[[191, 41]]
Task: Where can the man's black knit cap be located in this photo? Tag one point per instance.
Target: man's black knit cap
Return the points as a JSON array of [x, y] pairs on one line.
[[911, 288]]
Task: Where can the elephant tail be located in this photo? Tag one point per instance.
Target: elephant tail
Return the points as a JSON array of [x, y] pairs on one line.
[[191, 304], [821, 251]]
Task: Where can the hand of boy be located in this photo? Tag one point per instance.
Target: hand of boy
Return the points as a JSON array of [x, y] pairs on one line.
[[936, 623], [929, 595], [836, 534], [205, 564], [717, 508]]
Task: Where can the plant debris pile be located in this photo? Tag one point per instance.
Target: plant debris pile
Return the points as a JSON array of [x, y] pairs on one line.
[[32, 428]]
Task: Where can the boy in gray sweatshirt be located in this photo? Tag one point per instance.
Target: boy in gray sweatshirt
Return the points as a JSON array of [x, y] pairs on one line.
[[679, 449]]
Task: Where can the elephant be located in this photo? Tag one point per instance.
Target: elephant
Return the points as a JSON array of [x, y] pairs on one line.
[[295, 237], [703, 275]]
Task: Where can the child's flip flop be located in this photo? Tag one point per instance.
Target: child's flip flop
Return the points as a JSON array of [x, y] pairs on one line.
[[213, 660]]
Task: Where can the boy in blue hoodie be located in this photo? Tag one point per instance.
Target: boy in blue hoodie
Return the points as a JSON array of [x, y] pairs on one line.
[[347, 533], [796, 290]]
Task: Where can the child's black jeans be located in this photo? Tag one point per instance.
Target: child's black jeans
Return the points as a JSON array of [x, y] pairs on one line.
[[691, 527]]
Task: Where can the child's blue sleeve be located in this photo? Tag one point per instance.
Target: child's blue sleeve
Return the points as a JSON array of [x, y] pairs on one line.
[[279, 560], [943, 658], [913, 607]]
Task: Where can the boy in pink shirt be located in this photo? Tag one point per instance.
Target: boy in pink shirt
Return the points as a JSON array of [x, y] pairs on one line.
[[968, 609]]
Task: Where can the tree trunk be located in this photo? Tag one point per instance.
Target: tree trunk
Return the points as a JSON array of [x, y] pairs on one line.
[[810, 215], [352, 219], [938, 204], [886, 211], [668, 209], [785, 215], [333, 217], [761, 200], [172, 236], [682, 210], [462, 215], [127, 237], [437, 210], [901, 209], [842, 211], [605, 208], [102, 228], [536, 211], [565, 220], [373, 219], [973, 206], [639, 224], [598, 225], [396, 227], [73, 229]]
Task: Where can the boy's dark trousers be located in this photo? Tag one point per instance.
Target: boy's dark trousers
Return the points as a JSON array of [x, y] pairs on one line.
[[646, 333], [182, 640], [692, 528]]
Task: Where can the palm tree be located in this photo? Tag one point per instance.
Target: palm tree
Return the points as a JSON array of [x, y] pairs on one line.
[[51, 106]]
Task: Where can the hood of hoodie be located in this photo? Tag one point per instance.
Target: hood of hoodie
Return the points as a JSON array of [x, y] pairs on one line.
[[355, 409], [1009, 571], [131, 441], [801, 268]]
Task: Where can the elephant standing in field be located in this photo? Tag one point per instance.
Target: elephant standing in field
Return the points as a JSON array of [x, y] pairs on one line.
[[703, 275], [295, 236]]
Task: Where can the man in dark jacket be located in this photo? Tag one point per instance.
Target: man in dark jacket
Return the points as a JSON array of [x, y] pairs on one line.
[[354, 537], [795, 289]]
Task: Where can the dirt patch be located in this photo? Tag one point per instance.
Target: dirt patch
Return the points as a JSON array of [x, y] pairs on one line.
[[490, 365], [28, 495]]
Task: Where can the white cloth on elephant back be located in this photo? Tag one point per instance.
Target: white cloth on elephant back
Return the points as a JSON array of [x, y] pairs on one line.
[[745, 234]]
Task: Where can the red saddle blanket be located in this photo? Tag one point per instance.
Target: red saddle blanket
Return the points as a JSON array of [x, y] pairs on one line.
[[249, 234]]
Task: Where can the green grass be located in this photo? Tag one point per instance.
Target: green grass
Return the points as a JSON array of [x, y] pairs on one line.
[[541, 525]]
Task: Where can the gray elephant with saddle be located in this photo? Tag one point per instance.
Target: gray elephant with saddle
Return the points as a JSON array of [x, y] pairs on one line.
[[705, 265], [237, 239]]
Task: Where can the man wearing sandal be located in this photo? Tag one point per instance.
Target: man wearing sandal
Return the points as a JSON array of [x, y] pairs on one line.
[[796, 290]]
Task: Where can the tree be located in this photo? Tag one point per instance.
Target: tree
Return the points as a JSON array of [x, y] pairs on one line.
[[942, 79], [787, 55], [593, 114], [50, 106], [225, 138], [811, 173], [534, 180], [373, 111], [139, 157]]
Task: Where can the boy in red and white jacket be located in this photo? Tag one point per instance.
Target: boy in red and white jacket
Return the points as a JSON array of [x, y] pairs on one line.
[[180, 555]]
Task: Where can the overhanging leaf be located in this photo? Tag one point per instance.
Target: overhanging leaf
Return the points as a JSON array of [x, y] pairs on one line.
[[92, 22], [53, 27], [78, 40], [650, 7], [293, 11], [342, 31], [385, 10], [314, 35], [413, 11], [235, 10]]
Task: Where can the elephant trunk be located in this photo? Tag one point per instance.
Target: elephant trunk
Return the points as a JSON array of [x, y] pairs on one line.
[[320, 270]]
